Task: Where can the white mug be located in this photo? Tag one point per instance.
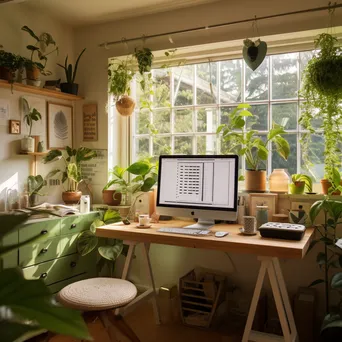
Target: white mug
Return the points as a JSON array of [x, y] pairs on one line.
[[144, 220], [249, 224]]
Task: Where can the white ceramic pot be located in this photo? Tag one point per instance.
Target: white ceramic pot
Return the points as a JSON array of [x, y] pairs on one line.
[[27, 144]]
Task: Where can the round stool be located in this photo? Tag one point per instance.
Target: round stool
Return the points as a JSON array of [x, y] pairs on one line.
[[101, 295]]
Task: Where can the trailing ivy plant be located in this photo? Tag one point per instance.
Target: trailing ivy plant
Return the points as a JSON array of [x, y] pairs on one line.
[[329, 259], [249, 143], [322, 110]]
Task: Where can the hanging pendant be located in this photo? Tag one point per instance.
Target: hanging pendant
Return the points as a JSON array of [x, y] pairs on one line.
[[254, 53]]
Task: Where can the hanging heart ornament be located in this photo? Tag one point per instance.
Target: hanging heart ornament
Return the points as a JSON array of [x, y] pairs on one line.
[[254, 53]]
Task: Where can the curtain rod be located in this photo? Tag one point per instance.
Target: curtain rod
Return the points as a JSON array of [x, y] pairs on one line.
[[144, 37]]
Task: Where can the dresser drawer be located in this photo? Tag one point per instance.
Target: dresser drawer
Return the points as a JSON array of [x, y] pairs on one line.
[[10, 259], [48, 227], [72, 224], [60, 269]]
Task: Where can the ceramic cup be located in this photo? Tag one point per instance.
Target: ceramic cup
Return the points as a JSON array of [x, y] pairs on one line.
[[249, 224], [144, 220]]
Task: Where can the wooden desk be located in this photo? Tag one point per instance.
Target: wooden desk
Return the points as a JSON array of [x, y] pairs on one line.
[[268, 251]]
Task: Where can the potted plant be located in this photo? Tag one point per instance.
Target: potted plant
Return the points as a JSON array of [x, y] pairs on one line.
[[34, 68], [322, 110], [34, 185], [70, 87], [299, 183], [120, 75], [110, 195], [9, 64], [252, 146], [72, 159], [328, 260], [31, 115]]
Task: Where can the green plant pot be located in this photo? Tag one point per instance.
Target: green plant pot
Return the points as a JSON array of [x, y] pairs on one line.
[[297, 188]]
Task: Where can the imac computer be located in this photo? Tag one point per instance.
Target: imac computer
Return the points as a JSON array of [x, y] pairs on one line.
[[202, 187]]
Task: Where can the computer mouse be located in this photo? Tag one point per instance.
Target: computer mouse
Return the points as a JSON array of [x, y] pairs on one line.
[[221, 234]]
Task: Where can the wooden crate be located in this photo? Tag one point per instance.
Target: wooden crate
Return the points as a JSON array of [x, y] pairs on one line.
[[199, 299]]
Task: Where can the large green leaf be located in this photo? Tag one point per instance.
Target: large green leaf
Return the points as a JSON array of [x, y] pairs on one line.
[[282, 146], [139, 168], [17, 332], [274, 132], [31, 300], [331, 321], [118, 171], [96, 223], [31, 33], [84, 154], [73, 172], [148, 184], [111, 252], [52, 156], [34, 184], [11, 221], [315, 210], [262, 152], [111, 216], [86, 242], [336, 281]]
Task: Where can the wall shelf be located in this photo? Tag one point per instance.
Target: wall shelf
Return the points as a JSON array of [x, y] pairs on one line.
[[40, 91]]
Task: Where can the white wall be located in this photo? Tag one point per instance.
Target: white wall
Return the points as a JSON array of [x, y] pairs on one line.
[[14, 169]]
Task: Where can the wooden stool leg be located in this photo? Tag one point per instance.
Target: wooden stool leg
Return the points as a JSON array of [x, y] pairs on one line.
[[108, 326], [122, 326]]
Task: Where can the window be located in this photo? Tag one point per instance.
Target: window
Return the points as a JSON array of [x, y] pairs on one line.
[[190, 101]]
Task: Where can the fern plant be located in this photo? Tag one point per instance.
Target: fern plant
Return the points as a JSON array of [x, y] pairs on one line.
[[70, 73], [322, 91]]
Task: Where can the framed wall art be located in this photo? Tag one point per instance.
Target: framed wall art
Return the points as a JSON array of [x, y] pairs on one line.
[[15, 127], [59, 125], [90, 122], [271, 200]]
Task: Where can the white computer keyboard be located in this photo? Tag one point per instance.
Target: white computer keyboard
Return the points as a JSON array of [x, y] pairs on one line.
[[184, 231]]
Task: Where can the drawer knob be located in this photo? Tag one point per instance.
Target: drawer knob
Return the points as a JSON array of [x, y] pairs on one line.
[[43, 232], [73, 264], [73, 225], [43, 275], [43, 251]]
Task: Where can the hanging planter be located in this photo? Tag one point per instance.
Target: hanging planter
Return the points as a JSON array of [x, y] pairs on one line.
[[125, 105], [254, 53]]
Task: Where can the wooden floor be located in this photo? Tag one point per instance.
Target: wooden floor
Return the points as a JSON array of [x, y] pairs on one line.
[[141, 321]]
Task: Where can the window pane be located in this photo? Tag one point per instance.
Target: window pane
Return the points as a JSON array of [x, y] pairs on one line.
[[304, 58], [161, 97], [257, 82], [317, 121], [259, 121], [183, 145], [142, 148], [206, 144], [161, 145], [183, 85], [284, 76], [285, 114], [230, 88], [206, 83], [142, 120], [224, 114], [290, 164], [316, 157], [162, 120], [206, 120], [183, 120]]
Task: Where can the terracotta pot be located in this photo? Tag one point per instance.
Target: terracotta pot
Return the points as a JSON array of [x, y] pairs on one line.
[[326, 186], [111, 197], [125, 105], [71, 197], [32, 73], [255, 181], [297, 187]]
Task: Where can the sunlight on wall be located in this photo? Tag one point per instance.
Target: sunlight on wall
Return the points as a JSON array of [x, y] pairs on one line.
[[9, 192]]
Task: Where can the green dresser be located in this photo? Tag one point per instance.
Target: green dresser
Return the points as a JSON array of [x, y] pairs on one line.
[[53, 258]]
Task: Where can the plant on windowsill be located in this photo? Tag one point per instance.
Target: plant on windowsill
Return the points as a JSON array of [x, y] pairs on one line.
[[72, 159], [299, 183], [30, 115], [120, 75], [34, 68], [322, 91], [328, 260], [28, 308], [252, 146], [70, 87]]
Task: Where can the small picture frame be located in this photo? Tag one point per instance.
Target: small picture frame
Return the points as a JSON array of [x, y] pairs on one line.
[[14, 127], [269, 200]]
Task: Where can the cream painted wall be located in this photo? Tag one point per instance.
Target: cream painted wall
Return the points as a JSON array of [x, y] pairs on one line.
[[169, 263], [14, 168]]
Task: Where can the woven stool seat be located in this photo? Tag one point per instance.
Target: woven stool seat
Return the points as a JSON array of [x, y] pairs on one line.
[[97, 294]]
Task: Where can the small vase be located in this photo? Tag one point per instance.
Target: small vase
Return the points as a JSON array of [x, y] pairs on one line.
[[27, 144], [279, 181]]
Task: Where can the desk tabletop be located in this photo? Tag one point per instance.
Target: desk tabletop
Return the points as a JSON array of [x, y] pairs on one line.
[[234, 242]]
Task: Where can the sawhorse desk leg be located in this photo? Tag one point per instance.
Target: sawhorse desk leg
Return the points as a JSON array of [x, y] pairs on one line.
[[272, 267], [150, 293]]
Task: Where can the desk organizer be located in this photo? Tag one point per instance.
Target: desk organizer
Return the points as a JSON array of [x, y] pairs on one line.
[[199, 298]]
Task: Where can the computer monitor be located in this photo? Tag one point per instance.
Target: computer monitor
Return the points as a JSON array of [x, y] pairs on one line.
[[202, 187]]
